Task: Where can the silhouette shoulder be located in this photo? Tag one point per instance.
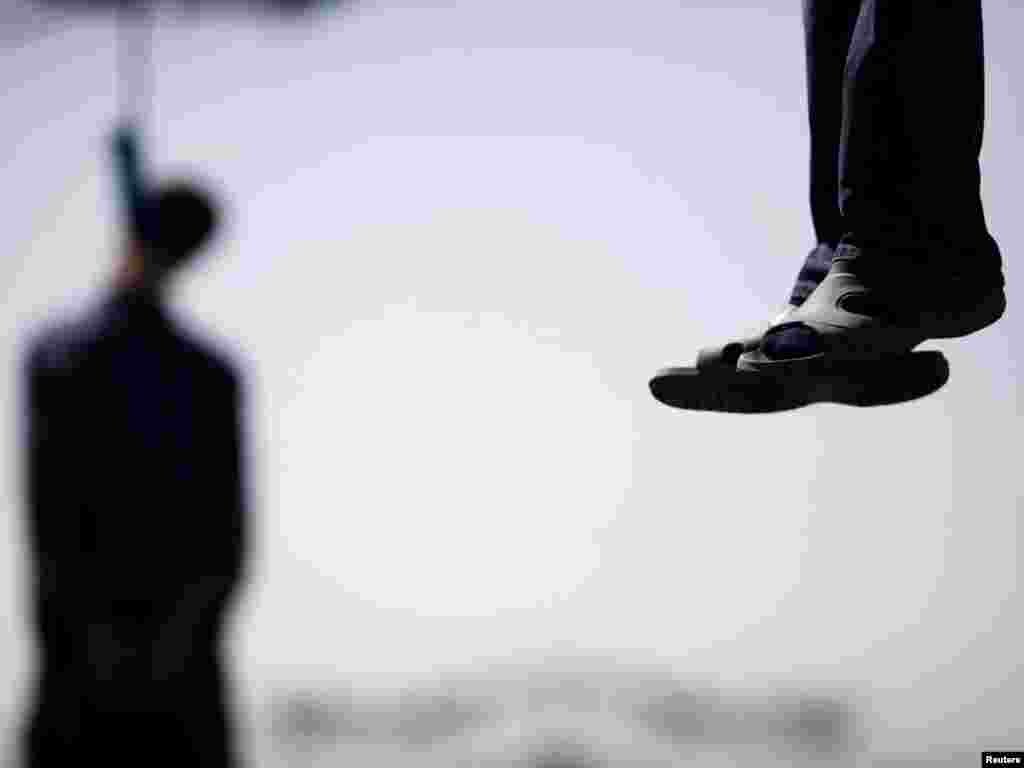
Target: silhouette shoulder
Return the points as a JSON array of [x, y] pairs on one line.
[[218, 364], [61, 345]]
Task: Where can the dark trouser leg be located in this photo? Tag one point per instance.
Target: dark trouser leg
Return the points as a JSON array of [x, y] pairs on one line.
[[828, 31], [913, 115]]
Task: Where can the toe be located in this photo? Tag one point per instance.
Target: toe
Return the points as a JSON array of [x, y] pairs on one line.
[[719, 357]]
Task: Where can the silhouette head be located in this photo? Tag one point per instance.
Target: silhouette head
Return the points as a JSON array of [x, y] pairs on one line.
[[177, 220], [183, 219]]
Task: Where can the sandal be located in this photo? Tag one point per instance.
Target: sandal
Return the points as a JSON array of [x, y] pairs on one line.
[[845, 320], [709, 358], [714, 384]]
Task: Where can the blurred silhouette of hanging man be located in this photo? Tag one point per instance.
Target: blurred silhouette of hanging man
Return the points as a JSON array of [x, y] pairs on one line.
[[136, 509]]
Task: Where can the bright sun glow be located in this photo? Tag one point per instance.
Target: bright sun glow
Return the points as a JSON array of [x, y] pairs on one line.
[[452, 464]]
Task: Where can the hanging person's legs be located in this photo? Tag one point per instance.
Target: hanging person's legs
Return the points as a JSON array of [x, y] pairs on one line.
[[719, 382], [915, 260], [828, 31]]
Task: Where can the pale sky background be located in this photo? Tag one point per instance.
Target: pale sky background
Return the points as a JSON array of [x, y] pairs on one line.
[[463, 236]]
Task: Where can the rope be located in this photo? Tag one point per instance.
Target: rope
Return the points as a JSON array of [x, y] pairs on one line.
[[134, 62]]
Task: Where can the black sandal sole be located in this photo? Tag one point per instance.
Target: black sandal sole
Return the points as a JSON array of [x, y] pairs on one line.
[[887, 381]]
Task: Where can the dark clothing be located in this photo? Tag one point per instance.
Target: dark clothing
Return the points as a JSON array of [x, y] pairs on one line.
[[896, 111], [136, 525]]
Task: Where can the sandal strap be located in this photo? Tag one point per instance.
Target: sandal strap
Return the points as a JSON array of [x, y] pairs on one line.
[[710, 358]]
